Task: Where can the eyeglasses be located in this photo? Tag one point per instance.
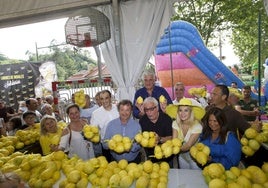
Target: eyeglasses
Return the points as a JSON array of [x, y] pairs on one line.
[[179, 89], [149, 109]]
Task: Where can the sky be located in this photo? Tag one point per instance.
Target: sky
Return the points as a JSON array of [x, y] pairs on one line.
[[16, 41]]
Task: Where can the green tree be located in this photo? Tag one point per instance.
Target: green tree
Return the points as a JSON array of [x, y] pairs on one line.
[[240, 17], [68, 61]]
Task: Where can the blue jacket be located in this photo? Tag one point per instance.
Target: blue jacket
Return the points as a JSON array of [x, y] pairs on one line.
[[228, 154], [157, 92], [129, 130]]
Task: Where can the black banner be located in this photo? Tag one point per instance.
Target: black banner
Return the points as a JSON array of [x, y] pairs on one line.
[[19, 81]]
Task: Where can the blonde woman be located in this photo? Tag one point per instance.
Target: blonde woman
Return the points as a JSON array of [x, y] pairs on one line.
[[187, 127], [50, 134]]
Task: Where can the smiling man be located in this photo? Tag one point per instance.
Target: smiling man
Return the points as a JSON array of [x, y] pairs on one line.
[[101, 117], [126, 126]]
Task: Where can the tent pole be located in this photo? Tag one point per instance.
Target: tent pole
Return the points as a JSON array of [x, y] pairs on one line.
[[97, 51], [259, 58], [171, 62], [117, 31]]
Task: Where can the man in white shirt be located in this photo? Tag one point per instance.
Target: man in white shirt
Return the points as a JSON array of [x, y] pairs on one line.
[[101, 117]]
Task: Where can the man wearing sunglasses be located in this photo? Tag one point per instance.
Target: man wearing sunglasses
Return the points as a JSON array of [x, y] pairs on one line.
[[158, 122]]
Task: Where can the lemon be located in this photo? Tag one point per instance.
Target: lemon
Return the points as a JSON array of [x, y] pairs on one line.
[[200, 146], [243, 181], [25, 166], [235, 170], [117, 137], [244, 141], [74, 176], [176, 150], [164, 166], [89, 135], [167, 151], [201, 158], [114, 181], [46, 174], [59, 155], [251, 133], [139, 100], [138, 137], [162, 99], [83, 182], [142, 182], [126, 181], [176, 142], [162, 185], [96, 139], [119, 148], [146, 134], [148, 166], [104, 182], [56, 176], [153, 183], [151, 142], [123, 163], [248, 151], [48, 183], [257, 175], [246, 173], [206, 150], [264, 167], [254, 144], [233, 185], [127, 146], [112, 144], [215, 170], [217, 183], [95, 129]]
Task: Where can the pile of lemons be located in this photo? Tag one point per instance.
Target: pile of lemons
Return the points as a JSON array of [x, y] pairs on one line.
[[36, 170], [200, 152], [119, 143], [146, 139], [251, 140], [216, 176], [80, 98], [91, 133], [168, 148]]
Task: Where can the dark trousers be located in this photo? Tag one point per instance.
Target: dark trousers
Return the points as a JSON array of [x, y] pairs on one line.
[[106, 153]]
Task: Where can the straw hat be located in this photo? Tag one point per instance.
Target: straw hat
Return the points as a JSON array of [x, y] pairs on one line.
[[235, 92], [198, 110]]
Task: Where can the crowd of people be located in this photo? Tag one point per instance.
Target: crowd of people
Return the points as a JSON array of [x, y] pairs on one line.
[[219, 125]]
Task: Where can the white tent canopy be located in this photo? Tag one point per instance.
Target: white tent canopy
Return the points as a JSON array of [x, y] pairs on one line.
[[136, 27]]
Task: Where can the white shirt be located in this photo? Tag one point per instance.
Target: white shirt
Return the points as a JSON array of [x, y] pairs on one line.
[[101, 117]]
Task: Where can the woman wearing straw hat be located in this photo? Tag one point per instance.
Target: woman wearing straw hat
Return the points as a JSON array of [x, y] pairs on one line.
[[187, 127]]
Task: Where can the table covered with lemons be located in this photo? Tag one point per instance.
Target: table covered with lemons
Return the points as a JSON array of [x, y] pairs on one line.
[[57, 170]]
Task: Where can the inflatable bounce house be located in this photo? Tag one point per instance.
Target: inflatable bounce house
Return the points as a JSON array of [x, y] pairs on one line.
[[181, 53]]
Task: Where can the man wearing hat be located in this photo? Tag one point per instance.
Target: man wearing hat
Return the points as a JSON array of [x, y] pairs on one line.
[[187, 127]]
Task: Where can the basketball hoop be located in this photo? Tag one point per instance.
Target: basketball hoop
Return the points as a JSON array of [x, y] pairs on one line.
[[90, 29], [79, 40]]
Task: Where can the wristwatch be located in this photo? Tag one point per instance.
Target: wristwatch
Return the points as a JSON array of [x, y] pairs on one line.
[[161, 140]]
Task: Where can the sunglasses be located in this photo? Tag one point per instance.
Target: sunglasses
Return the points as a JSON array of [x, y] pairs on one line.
[[149, 109]]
